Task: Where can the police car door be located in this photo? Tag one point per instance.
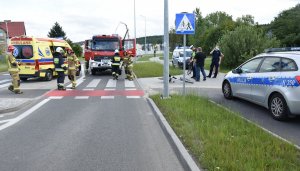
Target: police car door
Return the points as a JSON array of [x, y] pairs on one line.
[[243, 86], [266, 77]]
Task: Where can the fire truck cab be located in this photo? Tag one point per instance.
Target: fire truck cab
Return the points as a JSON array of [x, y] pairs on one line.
[[99, 51]]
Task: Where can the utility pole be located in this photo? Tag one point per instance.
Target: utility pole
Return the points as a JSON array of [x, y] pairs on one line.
[[166, 50]]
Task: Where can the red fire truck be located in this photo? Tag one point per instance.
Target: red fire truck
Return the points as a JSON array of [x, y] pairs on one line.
[[99, 51]]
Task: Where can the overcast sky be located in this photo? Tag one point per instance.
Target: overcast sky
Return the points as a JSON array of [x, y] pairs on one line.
[[81, 19]]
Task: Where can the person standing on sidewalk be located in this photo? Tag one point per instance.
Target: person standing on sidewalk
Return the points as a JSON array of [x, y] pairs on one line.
[[199, 61], [59, 67], [13, 69], [72, 66], [215, 63]]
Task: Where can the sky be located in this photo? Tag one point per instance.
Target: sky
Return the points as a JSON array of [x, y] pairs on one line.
[[81, 19]]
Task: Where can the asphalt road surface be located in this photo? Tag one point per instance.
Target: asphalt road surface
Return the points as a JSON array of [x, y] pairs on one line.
[[102, 125]]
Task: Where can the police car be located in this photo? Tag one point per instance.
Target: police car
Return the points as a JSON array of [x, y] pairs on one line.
[[270, 79]]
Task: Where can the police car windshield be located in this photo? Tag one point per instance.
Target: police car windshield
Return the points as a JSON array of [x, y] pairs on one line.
[[188, 54], [23, 51], [105, 44]]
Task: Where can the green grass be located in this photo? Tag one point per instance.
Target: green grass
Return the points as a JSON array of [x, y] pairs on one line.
[[145, 57], [152, 69], [221, 140], [3, 65]]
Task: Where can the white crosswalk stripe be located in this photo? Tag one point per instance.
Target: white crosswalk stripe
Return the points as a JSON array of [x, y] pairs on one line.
[[129, 83], [5, 80], [93, 83], [4, 85], [111, 83]]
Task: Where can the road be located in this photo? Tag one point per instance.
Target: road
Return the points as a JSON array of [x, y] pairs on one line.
[[102, 125], [288, 130]]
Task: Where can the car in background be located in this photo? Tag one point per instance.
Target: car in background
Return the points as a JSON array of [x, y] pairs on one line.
[[270, 79], [178, 57]]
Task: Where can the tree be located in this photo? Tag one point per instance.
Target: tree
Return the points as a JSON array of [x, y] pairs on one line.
[[245, 20], [57, 31], [286, 27], [243, 43]]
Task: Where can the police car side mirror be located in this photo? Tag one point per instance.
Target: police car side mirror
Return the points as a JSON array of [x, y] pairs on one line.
[[237, 71]]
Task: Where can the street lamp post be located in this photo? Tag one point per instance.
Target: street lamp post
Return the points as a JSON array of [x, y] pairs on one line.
[[145, 32]]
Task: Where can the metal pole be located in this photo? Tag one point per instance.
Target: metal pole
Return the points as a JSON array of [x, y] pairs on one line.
[[166, 49], [134, 23], [145, 35], [184, 59]]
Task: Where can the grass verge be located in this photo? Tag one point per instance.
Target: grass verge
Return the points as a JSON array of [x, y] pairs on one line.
[[221, 140], [152, 69]]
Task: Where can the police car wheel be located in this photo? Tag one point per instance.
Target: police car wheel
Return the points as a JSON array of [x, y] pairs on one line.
[[227, 92], [278, 107]]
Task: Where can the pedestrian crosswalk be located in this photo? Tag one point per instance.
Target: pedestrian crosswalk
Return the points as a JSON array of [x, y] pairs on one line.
[[94, 88], [5, 83]]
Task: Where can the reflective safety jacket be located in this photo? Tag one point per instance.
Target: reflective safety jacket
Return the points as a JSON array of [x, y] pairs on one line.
[[127, 61], [58, 61], [72, 61], [116, 60], [12, 63]]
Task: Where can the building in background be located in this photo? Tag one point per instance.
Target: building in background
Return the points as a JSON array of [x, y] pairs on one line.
[[9, 29]]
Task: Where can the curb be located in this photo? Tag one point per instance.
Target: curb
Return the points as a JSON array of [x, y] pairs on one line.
[[182, 154], [184, 157]]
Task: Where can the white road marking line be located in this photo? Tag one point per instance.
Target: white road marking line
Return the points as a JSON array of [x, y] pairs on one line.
[[111, 83], [88, 89], [109, 89], [5, 85], [133, 97], [23, 115], [83, 70], [130, 89], [129, 83], [5, 74], [94, 83], [107, 97], [81, 97], [55, 97], [5, 80], [4, 121]]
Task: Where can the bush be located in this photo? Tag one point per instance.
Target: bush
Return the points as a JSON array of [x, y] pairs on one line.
[[244, 43]]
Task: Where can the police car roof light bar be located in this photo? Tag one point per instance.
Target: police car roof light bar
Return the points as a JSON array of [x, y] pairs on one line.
[[284, 49]]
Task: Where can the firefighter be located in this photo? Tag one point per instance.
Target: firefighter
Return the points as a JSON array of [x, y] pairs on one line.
[[73, 63], [13, 69], [59, 67], [128, 65], [116, 63]]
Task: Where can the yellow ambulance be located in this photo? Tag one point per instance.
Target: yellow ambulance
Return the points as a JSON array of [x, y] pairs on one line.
[[35, 56]]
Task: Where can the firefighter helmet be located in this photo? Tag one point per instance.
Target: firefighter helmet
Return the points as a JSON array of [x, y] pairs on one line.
[[116, 52], [59, 50], [130, 53], [10, 48]]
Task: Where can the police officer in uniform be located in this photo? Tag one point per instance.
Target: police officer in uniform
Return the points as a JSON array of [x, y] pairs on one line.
[[72, 67], [116, 63], [59, 67], [13, 69], [215, 63], [128, 65]]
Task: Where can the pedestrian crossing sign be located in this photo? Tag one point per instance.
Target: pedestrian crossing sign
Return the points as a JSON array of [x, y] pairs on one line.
[[185, 23]]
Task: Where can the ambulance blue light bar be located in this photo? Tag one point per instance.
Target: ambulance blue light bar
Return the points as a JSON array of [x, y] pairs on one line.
[[284, 49]]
